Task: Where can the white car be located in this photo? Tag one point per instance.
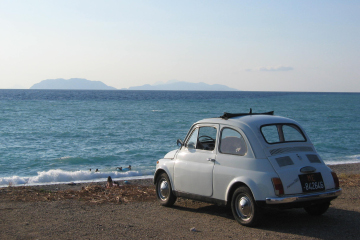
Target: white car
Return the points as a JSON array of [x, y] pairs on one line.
[[248, 161]]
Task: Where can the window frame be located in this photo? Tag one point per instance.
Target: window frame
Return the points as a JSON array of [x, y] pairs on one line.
[[186, 144], [279, 127], [220, 142], [198, 127]]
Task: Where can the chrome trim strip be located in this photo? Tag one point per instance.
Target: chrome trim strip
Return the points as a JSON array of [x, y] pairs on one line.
[[304, 197], [308, 169]]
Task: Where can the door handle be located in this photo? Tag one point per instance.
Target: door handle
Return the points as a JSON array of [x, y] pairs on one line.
[[211, 160]]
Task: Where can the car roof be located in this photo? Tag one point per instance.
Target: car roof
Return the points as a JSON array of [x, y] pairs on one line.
[[250, 120]]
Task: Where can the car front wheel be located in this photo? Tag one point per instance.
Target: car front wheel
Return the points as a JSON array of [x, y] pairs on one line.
[[164, 191], [317, 209], [244, 207]]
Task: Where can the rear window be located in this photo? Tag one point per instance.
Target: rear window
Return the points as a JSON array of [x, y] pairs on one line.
[[279, 133]]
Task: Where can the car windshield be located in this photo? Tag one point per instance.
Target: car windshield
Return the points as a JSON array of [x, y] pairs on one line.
[[279, 133]]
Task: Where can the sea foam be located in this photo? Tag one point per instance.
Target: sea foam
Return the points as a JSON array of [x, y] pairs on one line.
[[344, 160], [57, 176]]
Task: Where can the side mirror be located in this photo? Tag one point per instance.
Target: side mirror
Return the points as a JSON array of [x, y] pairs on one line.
[[179, 143], [191, 145]]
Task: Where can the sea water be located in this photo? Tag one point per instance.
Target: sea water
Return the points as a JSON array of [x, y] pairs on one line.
[[57, 136]]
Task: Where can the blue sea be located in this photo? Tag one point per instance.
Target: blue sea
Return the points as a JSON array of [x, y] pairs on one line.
[[57, 136]]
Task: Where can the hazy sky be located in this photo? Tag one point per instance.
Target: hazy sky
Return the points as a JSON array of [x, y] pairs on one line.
[[248, 45]]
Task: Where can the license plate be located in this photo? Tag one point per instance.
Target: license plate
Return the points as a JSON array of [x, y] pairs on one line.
[[312, 182]]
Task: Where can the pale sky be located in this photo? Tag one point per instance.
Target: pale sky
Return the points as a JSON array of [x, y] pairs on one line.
[[248, 45]]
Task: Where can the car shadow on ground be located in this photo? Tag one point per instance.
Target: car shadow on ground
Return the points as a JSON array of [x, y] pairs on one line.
[[335, 223], [210, 209]]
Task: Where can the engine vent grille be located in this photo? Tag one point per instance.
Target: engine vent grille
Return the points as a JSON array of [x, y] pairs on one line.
[[284, 161], [313, 158], [290, 150]]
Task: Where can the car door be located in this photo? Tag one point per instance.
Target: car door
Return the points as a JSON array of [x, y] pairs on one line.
[[232, 160], [194, 164]]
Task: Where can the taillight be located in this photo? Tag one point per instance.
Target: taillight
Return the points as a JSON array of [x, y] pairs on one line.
[[336, 179], [278, 187]]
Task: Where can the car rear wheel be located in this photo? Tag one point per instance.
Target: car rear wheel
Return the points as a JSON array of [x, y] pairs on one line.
[[164, 191], [317, 209], [244, 207]]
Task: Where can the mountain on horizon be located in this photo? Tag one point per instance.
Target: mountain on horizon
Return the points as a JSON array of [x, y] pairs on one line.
[[174, 85], [71, 84], [84, 84]]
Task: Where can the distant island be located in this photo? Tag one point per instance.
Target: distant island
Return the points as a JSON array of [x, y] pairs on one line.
[[71, 84], [84, 84], [182, 86]]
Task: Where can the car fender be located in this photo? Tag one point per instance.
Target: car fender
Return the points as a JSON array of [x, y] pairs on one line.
[[171, 154], [257, 189], [167, 166]]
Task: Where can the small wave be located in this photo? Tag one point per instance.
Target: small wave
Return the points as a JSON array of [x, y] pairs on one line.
[[156, 110], [344, 160], [56, 176]]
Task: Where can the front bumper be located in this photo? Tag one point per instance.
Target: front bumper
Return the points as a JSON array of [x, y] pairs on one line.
[[331, 194]]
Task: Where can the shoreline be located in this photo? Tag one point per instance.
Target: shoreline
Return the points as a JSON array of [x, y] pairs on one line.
[[346, 168], [78, 186], [59, 185]]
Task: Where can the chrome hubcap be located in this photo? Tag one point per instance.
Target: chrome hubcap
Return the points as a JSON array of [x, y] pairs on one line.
[[164, 189], [244, 207]]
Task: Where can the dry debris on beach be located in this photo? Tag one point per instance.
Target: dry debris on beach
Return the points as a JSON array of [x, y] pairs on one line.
[[349, 180], [93, 193], [91, 211]]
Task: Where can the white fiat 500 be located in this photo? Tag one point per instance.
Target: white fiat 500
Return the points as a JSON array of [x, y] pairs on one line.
[[248, 161]]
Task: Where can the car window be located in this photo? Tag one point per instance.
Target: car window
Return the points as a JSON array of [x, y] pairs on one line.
[[292, 133], [207, 138], [277, 133], [232, 142], [270, 133], [203, 138], [192, 142]]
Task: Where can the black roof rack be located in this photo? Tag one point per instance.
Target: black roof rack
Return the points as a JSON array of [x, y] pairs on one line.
[[226, 115]]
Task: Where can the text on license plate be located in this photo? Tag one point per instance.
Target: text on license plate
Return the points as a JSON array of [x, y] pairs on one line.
[[312, 182]]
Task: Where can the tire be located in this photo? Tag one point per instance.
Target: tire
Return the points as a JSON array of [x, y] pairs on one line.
[[244, 208], [317, 209], [164, 191]]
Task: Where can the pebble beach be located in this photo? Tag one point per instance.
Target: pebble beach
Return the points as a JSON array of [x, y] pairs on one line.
[[73, 211]]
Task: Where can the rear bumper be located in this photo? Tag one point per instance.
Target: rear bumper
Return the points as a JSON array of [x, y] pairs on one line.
[[330, 194]]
